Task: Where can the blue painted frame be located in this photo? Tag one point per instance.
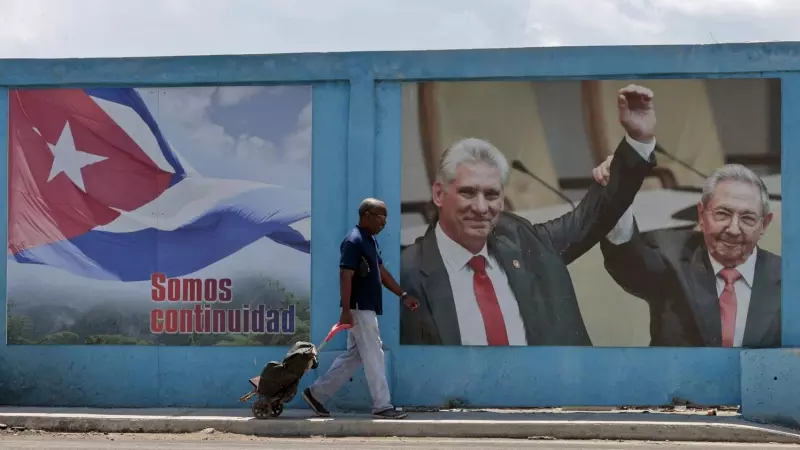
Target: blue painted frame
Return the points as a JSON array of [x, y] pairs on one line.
[[356, 153]]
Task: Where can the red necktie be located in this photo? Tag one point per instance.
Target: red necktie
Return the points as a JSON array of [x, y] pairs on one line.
[[487, 302], [727, 305]]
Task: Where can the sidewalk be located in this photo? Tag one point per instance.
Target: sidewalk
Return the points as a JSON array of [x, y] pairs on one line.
[[525, 424]]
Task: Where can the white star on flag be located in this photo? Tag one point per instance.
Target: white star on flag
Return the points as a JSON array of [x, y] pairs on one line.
[[68, 159]]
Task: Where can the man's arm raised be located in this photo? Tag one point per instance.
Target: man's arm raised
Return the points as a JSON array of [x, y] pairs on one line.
[[574, 233]]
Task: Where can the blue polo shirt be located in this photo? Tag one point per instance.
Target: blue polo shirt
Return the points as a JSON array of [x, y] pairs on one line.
[[360, 252]]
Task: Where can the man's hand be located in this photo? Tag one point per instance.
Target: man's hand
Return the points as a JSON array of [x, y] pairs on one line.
[[411, 302], [602, 172], [346, 318], [636, 113]]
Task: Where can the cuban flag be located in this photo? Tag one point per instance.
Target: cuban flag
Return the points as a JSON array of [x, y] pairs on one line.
[[95, 190]]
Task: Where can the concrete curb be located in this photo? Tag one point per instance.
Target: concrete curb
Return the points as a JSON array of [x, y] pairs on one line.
[[734, 430]]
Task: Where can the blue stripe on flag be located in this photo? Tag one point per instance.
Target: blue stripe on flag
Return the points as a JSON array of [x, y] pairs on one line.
[[217, 234]]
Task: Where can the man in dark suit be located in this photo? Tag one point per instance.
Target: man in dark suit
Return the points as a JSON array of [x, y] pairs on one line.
[[707, 288], [488, 277]]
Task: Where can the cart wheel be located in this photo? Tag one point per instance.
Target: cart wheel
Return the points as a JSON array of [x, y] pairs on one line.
[[262, 409], [276, 410]]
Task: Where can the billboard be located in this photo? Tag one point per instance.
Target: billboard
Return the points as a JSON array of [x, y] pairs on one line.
[[608, 213], [176, 216]]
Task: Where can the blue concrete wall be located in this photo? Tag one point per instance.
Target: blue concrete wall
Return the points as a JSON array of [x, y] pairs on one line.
[[790, 137], [356, 117], [769, 386]]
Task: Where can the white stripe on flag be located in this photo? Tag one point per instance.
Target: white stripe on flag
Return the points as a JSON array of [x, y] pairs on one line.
[[182, 203], [137, 129]]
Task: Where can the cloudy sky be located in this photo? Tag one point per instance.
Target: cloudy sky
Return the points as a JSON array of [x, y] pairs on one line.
[[93, 28], [253, 133]]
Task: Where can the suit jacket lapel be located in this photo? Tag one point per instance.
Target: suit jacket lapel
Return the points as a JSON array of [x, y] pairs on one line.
[[509, 256], [438, 292], [704, 302], [765, 302]]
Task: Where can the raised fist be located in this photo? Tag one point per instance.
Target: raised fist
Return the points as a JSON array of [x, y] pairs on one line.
[[636, 112]]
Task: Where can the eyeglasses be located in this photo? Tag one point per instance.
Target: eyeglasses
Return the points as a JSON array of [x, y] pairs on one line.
[[724, 217]]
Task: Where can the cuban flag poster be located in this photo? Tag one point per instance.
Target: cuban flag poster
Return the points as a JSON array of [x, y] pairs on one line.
[[175, 216]]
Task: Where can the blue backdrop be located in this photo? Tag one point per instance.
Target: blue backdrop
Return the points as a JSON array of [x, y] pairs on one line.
[[356, 153]]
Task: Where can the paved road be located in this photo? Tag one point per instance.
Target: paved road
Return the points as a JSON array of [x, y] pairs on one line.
[[228, 442]]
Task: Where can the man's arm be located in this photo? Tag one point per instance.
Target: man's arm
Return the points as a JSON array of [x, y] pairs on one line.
[[623, 230], [345, 287], [630, 258], [388, 281], [633, 260], [386, 278], [574, 233]]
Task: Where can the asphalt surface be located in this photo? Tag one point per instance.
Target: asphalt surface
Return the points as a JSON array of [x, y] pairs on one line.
[[217, 441]]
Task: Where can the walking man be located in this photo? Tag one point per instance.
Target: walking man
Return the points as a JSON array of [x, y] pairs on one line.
[[361, 277]]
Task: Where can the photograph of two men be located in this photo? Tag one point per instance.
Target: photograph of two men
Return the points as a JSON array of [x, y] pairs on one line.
[[607, 213]]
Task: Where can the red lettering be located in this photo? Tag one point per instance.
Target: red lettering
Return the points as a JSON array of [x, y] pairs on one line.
[[172, 321], [186, 321], [211, 290], [219, 325], [207, 320], [225, 290], [156, 321], [192, 288], [173, 289], [234, 321], [158, 293], [198, 319]]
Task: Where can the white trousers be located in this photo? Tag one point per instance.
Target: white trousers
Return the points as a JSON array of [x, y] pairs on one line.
[[364, 346]]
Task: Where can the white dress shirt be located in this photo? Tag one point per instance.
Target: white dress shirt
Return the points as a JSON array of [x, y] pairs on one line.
[[623, 232], [743, 287], [470, 320], [456, 257]]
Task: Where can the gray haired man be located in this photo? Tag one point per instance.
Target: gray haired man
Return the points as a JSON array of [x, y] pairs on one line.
[[708, 288], [485, 276]]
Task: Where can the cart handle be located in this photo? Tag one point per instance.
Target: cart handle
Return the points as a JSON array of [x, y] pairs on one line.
[[335, 329]]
